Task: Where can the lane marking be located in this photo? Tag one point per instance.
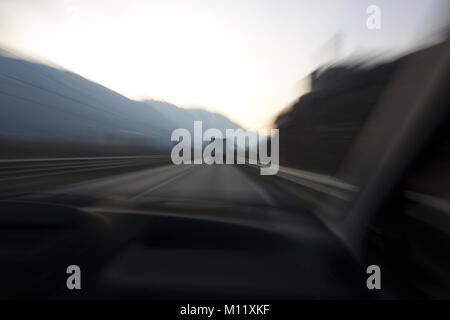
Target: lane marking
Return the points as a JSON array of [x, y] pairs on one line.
[[264, 195], [162, 184]]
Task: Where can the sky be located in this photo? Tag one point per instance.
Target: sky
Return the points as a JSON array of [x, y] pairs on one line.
[[242, 58]]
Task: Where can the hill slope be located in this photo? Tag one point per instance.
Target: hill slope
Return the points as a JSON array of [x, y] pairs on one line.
[[40, 103]]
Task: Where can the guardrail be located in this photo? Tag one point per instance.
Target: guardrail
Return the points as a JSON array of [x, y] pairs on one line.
[[24, 160], [347, 192], [318, 182], [19, 169]]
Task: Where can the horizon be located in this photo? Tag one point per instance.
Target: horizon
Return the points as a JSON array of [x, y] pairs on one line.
[[219, 56]]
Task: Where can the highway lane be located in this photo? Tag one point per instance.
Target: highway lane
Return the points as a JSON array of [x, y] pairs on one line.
[[210, 190], [150, 178], [229, 193], [190, 229], [217, 184], [215, 191]]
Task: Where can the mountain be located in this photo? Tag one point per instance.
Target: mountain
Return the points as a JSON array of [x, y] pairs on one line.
[[42, 103], [184, 118]]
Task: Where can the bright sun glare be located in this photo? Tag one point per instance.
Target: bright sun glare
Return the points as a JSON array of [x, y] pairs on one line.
[[243, 59]]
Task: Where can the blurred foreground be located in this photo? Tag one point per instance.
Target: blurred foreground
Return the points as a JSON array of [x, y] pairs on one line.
[[364, 180]]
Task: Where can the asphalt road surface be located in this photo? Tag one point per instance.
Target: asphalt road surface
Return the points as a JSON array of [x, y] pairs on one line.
[[175, 231], [221, 184]]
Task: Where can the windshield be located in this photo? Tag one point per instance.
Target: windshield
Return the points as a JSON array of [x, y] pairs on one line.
[[299, 119]]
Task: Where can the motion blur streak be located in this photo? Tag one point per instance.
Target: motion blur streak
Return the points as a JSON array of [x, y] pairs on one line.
[[362, 182]]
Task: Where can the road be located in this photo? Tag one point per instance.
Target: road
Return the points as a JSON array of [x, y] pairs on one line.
[[211, 191], [202, 183], [188, 230], [150, 178], [152, 183]]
